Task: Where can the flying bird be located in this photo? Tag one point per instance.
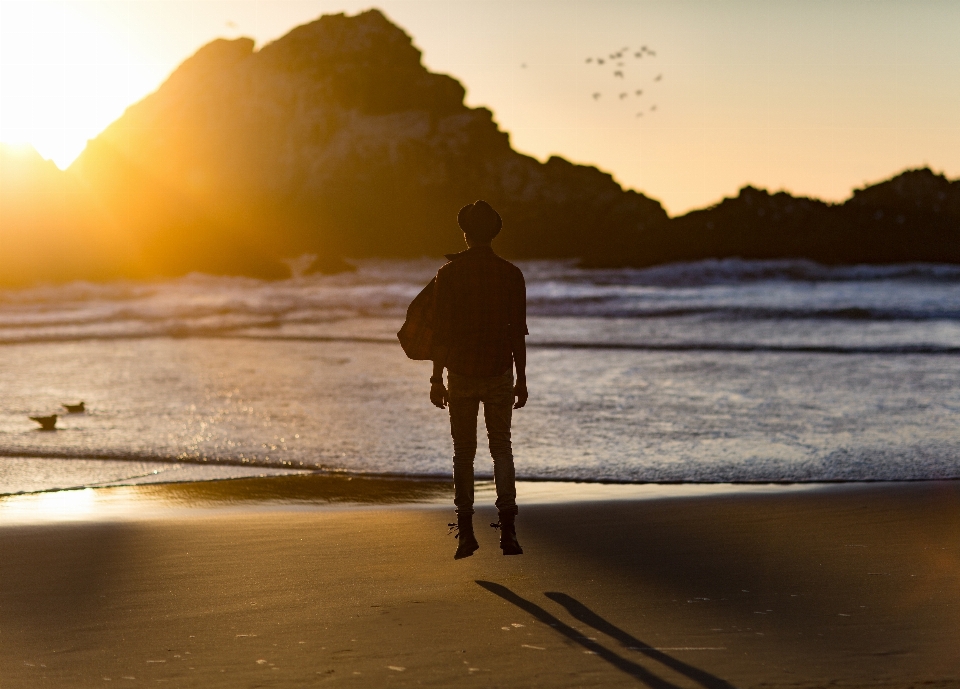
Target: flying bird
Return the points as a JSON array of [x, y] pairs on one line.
[[75, 408], [47, 423]]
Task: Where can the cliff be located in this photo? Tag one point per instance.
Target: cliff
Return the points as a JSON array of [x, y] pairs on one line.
[[333, 140]]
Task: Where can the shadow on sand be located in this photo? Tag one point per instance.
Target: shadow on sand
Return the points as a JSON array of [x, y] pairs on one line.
[[588, 617]]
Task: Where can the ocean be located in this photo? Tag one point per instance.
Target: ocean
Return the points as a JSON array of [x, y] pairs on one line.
[[715, 371]]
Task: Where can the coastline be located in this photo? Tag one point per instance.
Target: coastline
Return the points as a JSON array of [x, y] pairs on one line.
[[851, 585]]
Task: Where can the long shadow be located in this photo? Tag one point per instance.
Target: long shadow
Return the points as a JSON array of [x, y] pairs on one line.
[[622, 664], [581, 612]]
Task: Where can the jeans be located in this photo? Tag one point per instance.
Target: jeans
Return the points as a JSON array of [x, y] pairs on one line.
[[464, 396]]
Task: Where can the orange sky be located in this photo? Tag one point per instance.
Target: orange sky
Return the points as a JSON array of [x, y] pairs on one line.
[[816, 97]]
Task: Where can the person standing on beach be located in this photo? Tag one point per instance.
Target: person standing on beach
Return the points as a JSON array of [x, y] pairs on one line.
[[480, 325]]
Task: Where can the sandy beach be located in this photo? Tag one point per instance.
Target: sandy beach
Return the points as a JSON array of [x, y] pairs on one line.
[[848, 585]]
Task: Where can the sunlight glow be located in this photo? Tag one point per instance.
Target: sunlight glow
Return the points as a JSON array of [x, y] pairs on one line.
[[65, 74], [56, 506]]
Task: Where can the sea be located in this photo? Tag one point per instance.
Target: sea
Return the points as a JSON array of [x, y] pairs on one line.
[[714, 372]]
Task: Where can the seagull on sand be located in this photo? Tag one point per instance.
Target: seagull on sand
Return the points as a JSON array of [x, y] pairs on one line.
[[47, 423], [74, 408]]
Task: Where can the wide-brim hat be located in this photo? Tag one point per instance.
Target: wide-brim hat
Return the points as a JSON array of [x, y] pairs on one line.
[[479, 221]]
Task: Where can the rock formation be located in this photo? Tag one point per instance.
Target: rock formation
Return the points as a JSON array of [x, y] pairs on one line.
[[334, 140]]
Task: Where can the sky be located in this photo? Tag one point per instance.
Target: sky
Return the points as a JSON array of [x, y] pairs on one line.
[[814, 97]]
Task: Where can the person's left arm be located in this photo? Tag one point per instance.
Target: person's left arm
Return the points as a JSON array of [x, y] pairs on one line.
[[518, 342]]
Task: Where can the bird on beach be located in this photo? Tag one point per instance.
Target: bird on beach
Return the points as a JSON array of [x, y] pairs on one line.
[[658, 77], [623, 95], [47, 423], [639, 92], [74, 408], [618, 73], [596, 96]]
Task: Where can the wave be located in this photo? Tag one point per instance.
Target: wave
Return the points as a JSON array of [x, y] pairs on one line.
[[730, 290]]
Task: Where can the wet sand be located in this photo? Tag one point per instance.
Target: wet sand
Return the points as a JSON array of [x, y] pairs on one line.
[[851, 585]]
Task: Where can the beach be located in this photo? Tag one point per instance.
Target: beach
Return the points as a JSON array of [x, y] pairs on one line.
[[841, 585]]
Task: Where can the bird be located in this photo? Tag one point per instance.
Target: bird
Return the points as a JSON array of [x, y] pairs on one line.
[[652, 108], [640, 55], [523, 65], [596, 95], [639, 114], [599, 60], [639, 92], [618, 73], [658, 77], [74, 408], [589, 60], [47, 423], [623, 95]]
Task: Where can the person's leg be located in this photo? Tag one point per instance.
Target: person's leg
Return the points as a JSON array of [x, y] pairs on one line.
[[498, 413], [464, 404]]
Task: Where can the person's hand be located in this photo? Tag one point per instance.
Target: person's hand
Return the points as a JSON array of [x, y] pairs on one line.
[[520, 393], [438, 395]]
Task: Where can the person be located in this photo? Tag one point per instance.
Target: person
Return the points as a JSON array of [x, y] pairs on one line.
[[480, 327]]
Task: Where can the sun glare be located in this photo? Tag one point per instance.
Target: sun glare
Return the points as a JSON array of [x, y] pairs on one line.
[[62, 505], [65, 74]]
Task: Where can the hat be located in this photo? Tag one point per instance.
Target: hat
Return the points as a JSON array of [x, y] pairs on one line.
[[479, 221]]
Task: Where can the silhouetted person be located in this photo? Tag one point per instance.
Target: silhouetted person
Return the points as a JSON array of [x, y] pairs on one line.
[[480, 322]]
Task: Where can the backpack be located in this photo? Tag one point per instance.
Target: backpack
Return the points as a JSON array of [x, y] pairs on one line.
[[416, 335]]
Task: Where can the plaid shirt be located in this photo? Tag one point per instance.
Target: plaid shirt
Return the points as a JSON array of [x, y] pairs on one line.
[[480, 304]]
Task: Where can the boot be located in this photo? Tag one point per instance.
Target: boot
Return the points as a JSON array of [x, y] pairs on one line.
[[467, 543], [508, 534]]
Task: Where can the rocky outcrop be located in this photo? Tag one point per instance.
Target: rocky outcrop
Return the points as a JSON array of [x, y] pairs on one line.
[[334, 140], [913, 217]]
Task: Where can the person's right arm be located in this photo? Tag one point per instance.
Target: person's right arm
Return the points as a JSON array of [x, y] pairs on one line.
[[440, 347]]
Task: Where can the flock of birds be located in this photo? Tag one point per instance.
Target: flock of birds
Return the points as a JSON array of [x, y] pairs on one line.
[[49, 423], [618, 61]]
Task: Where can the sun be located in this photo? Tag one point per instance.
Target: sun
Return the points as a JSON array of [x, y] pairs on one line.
[[65, 74]]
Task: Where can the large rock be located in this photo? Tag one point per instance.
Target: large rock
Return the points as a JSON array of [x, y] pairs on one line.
[[334, 140]]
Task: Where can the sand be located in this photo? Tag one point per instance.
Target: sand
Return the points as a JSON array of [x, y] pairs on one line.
[[855, 585]]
